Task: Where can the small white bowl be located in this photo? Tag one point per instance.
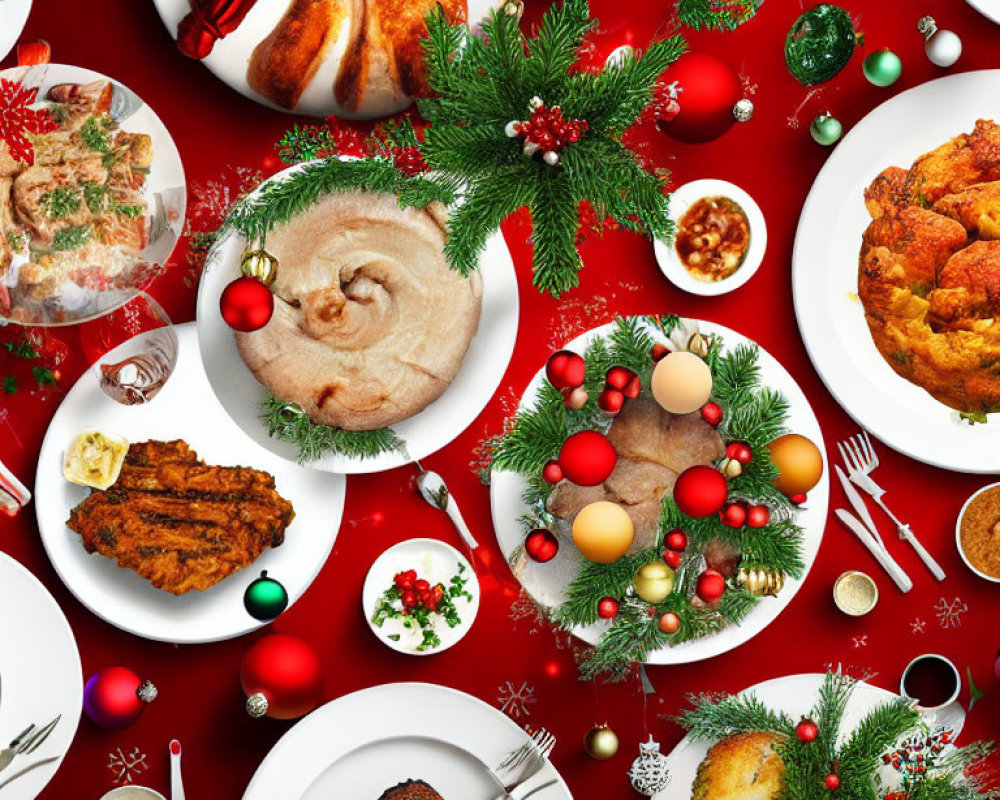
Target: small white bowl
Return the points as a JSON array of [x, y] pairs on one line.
[[435, 562], [958, 533], [133, 793], [681, 199]]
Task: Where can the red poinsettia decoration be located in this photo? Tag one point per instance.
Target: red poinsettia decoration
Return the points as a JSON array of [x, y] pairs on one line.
[[17, 118]]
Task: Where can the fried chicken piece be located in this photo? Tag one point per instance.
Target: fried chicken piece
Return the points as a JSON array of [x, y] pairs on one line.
[[887, 195], [923, 240], [411, 790], [654, 447], [742, 767], [180, 523], [977, 208], [965, 160], [968, 287]]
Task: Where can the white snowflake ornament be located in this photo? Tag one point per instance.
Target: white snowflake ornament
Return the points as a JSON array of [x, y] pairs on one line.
[[649, 773]]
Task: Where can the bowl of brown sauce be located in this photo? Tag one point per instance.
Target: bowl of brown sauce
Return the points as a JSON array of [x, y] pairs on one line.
[[719, 238]]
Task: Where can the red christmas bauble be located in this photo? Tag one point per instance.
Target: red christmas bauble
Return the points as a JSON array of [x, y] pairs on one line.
[[565, 369], [607, 608], [633, 388], [281, 677], [832, 782], [758, 516], [700, 491], [673, 558], [739, 451], [734, 515], [618, 377], [711, 413], [806, 730], [669, 622], [610, 401], [115, 697], [710, 586], [246, 304], [676, 539], [798, 499], [707, 89], [552, 472], [658, 351], [587, 458], [541, 545]]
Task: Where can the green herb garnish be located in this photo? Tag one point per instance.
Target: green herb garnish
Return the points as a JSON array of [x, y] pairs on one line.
[[60, 202], [128, 211], [96, 197], [72, 238], [95, 133]]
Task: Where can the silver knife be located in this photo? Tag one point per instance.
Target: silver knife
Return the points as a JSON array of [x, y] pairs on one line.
[[900, 578], [858, 504]]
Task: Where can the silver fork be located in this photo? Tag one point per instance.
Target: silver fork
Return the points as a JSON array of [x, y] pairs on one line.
[[27, 741], [860, 459], [526, 761]]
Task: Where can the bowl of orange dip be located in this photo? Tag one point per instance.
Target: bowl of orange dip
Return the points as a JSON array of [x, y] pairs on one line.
[[719, 238], [977, 532]]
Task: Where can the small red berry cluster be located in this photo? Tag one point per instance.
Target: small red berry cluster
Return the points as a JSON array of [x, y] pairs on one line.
[[416, 593], [664, 106], [676, 543], [409, 160], [620, 383], [546, 131]]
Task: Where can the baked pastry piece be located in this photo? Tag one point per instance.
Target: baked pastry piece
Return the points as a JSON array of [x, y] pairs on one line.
[[929, 270], [744, 767], [410, 790], [370, 324], [654, 447], [378, 42], [180, 523]]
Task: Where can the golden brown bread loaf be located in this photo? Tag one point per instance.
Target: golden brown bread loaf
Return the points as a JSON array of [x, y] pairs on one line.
[[743, 767]]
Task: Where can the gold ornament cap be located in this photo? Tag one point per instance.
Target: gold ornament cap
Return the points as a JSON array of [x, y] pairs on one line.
[[258, 263]]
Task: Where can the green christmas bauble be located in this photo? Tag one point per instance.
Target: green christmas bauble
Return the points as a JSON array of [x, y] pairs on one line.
[[265, 598], [819, 44], [826, 129], [882, 67]]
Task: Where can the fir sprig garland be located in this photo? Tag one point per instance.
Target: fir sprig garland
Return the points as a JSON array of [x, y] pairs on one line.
[[754, 413], [721, 15], [855, 757], [482, 83]]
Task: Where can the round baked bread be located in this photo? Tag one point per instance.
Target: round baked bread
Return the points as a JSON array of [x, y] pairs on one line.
[[370, 324], [743, 767], [929, 270]]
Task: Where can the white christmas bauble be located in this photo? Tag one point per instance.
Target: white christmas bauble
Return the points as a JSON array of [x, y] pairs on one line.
[[648, 773], [943, 48]]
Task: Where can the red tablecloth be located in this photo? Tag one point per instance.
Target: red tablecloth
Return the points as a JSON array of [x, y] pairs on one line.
[[226, 140]]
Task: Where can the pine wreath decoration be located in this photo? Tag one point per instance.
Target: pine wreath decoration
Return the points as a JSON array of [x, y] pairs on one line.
[[720, 15], [856, 757], [751, 413], [486, 86]]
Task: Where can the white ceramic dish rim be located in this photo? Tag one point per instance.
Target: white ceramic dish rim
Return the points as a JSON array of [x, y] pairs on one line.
[[369, 590], [681, 199]]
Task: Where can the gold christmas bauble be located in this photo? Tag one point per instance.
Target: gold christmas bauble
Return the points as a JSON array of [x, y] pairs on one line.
[[799, 463], [654, 581], [603, 531], [601, 743], [760, 581], [682, 382]]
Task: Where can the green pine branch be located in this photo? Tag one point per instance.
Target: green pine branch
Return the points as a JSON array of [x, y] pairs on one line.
[[316, 441], [711, 717], [721, 15]]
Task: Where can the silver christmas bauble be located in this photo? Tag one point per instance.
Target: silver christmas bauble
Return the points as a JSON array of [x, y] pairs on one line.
[[649, 773], [743, 110]]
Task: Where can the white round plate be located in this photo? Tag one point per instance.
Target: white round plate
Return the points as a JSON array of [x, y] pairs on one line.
[[230, 56], [825, 274], [794, 695], [363, 743], [434, 561], [165, 193], [13, 17], [681, 199], [184, 409], [547, 582], [40, 677], [424, 433], [988, 8]]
